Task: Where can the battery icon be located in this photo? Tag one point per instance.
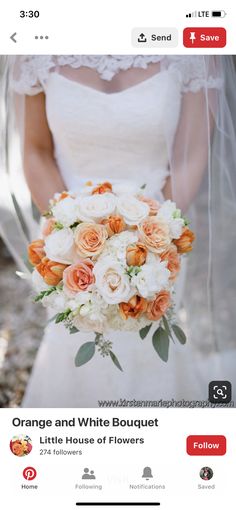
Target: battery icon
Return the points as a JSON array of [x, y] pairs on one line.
[[218, 14]]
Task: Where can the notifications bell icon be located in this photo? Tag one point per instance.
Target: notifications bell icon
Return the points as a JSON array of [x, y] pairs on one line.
[[147, 473]]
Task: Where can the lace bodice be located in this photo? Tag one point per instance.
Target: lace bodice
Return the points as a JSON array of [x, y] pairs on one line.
[[121, 135]]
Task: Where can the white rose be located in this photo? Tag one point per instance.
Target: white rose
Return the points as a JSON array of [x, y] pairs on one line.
[[151, 279], [125, 188], [172, 216], [133, 210], [59, 246], [38, 282], [111, 281], [95, 207], [66, 211]]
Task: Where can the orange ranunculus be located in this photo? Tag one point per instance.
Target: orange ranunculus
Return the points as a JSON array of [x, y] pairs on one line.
[[36, 251], [104, 187], [136, 254], [114, 224], [155, 234], [173, 260], [153, 204], [48, 227], [63, 195], [52, 272], [79, 276], [158, 307], [90, 239], [184, 243], [134, 308], [17, 449]]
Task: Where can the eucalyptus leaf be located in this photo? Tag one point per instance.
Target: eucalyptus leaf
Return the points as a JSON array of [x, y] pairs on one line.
[[85, 353], [179, 333], [115, 360], [166, 326], [160, 341], [144, 331], [73, 330]]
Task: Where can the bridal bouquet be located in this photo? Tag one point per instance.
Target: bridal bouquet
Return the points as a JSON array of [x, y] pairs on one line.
[[108, 260]]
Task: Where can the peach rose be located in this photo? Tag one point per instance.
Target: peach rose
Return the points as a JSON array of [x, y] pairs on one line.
[[184, 243], [136, 254], [52, 272], [105, 187], [90, 239], [79, 276], [18, 449], [173, 260], [158, 307], [153, 204], [134, 308], [48, 227], [114, 224], [155, 234], [36, 251]]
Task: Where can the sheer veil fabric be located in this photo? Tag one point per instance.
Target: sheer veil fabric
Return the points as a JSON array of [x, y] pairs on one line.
[[196, 136]]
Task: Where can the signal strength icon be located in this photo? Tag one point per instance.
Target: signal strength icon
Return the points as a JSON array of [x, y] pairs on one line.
[[192, 14]]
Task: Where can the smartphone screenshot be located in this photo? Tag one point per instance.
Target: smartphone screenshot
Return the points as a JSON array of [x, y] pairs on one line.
[[117, 255]]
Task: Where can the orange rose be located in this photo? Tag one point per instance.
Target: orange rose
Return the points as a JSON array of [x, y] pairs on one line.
[[52, 272], [155, 234], [153, 204], [79, 276], [90, 239], [48, 227], [184, 243], [134, 308], [105, 187], [17, 449], [173, 260], [36, 251], [114, 224], [63, 195], [157, 308], [136, 254]]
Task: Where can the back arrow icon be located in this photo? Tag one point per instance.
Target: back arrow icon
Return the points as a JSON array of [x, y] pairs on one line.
[[12, 37]]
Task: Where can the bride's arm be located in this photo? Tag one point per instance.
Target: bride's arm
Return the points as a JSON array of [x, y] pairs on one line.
[[41, 171], [190, 152]]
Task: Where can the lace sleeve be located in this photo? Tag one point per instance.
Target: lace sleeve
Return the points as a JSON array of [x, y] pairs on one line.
[[30, 74], [197, 72]]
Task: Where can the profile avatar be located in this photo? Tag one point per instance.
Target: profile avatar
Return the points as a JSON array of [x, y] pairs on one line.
[[21, 445]]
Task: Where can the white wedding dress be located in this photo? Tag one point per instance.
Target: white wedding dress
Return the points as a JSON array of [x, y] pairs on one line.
[[116, 136]]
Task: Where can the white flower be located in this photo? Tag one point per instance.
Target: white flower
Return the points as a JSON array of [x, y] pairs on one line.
[[125, 188], [169, 213], [95, 207], [59, 246], [57, 301], [117, 244], [111, 281], [151, 279], [38, 282], [66, 211], [133, 210]]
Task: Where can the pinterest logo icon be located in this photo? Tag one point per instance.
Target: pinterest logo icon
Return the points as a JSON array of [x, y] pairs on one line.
[[29, 473]]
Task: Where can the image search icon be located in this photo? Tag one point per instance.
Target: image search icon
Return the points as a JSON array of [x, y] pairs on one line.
[[220, 392]]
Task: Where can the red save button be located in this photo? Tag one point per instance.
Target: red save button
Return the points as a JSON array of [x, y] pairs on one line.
[[206, 445], [204, 37]]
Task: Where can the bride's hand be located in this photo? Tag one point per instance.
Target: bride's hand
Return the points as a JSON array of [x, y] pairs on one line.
[[41, 171]]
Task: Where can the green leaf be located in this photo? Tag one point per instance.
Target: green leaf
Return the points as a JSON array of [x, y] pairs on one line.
[[44, 293], [85, 353], [166, 326], [62, 316], [58, 226], [143, 186], [179, 333], [144, 331], [115, 360], [73, 330], [160, 341]]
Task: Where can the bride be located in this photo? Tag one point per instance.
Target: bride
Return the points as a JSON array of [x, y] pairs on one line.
[[163, 121]]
